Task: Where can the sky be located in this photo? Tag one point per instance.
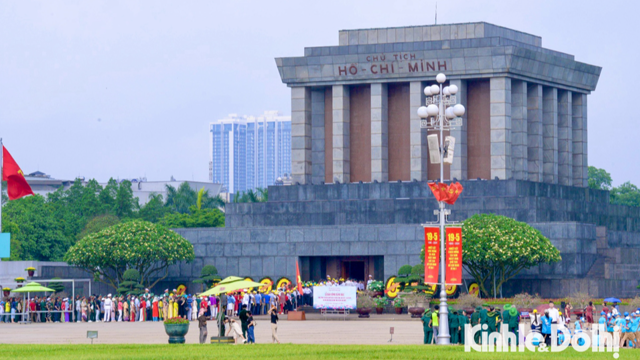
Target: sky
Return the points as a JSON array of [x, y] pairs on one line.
[[126, 89]]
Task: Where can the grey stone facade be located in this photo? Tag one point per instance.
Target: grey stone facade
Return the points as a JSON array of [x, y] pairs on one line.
[[545, 143], [599, 243]]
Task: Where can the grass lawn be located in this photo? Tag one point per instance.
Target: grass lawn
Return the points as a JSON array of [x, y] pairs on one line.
[[279, 352]]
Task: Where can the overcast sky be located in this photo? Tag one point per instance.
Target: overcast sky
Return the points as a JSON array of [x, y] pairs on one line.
[[127, 88]]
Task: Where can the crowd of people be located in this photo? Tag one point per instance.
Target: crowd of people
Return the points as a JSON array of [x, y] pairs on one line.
[[628, 324]]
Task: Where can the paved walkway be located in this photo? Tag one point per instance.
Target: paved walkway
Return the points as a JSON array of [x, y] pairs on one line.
[[313, 331]]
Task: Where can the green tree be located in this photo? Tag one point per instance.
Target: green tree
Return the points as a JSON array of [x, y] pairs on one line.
[[208, 275], [148, 248], [35, 227], [179, 200], [131, 283], [97, 224], [498, 247], [197, 218], [260, 195], [154, 209], [625, 194], [108, 195], [56, 286], [16, 246], [125, 203], [599, 179]]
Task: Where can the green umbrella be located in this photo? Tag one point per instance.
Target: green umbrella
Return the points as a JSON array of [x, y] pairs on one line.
[[230, 279], [231, 285], [29, 288], [32, 287]]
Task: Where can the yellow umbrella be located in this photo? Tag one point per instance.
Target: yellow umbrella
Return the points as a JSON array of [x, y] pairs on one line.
[[230, 286]]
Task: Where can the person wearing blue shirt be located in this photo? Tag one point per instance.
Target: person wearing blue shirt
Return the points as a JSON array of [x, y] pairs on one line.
[[258, 305], [546, 328], [635, 319], [627, 333]]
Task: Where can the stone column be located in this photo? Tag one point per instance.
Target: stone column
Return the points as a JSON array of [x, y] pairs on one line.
[[500, 101], [301, 134], [379, 133], [550, 135], [317, 136], [534, 133], [519, 130], [418, 136], [565, 138], [579, 137], [341, 118], [459, 166]]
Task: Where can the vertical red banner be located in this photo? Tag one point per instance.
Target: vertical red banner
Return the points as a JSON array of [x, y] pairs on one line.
[[453, 274], [431, 254]]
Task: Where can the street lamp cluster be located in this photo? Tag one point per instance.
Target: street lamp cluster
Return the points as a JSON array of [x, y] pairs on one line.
[[441, 113]]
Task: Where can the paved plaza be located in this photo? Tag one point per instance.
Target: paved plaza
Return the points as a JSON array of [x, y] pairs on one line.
[[312, 331]]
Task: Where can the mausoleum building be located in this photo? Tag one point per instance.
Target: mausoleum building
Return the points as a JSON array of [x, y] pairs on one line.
[[354, 106]]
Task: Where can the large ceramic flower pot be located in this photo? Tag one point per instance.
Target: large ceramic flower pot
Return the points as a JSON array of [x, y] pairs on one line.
[[6, 292], [469, 310], [363, 312], [176, 332], [377, 294], [416, 312], [379, 310], [31, 272], [398, 310]]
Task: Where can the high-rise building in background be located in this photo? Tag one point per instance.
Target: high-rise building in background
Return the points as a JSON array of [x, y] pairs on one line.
[[248, 152]]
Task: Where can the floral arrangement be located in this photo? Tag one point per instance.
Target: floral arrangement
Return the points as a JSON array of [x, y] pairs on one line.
[[30, 268], [376, 286], [20, 279], [6, 289], [176, 321], [381, 301], [398, 302]]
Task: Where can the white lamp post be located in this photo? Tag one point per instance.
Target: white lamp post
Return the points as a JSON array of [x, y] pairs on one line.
[[441, 113]]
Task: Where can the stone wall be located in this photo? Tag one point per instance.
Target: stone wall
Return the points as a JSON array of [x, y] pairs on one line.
[[413, 203]]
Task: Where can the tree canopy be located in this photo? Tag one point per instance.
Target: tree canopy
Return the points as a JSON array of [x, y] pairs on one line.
[[599, 179], [44, 228], [498, 247], [148, 248], [626, 194]]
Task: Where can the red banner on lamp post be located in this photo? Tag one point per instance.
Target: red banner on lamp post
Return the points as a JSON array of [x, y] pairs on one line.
[[453, 274], [431, 254]]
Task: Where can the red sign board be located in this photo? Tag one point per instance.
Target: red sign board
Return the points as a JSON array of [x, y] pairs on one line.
[[431, 254], [453, 274]]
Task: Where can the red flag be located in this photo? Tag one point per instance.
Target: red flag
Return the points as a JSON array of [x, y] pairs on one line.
[[439, 190], [299, 279], [453, 192], [17, 185], [431, 254], [453, 273]]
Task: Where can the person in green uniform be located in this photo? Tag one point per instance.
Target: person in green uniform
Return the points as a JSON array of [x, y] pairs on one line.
[[514, 320], [464, 320], [484, 319], [428, 331], [505, 315], [475, 320], [43, 308], [454, 326], [493, 320]]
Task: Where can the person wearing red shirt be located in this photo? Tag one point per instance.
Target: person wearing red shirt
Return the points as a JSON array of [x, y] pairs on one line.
[[32, 308]]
